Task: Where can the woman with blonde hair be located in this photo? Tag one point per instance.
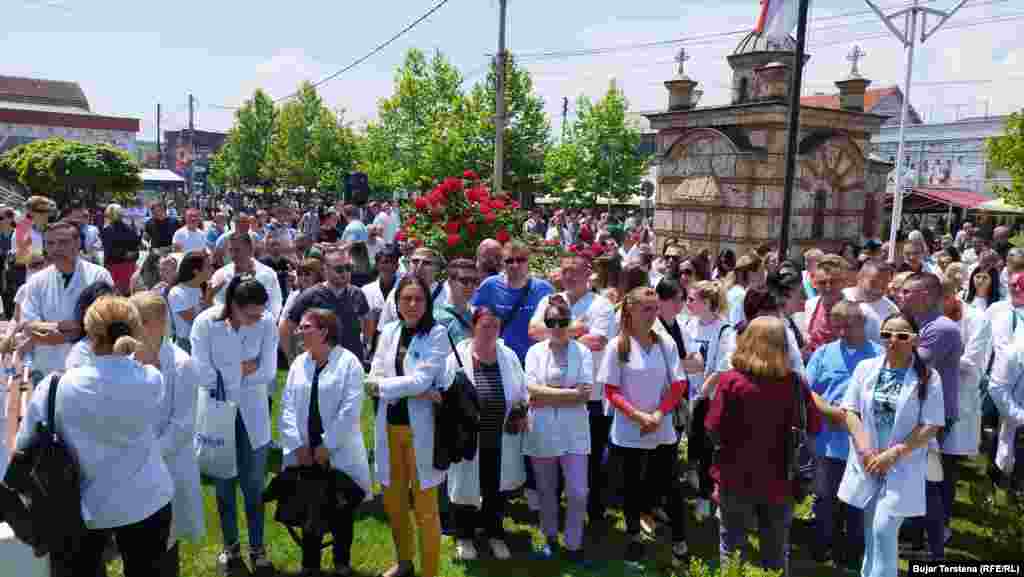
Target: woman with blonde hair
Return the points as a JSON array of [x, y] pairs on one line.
[[175, 427], [120, 248], [749, 273], [107, 413], [644, 381], [754, 409]]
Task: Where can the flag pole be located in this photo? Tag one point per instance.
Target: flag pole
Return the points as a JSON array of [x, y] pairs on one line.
[[793, 126]]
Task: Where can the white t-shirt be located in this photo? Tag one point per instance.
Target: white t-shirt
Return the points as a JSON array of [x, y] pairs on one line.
[[717, 353], [189, 240], [183, 298], [874, 313]]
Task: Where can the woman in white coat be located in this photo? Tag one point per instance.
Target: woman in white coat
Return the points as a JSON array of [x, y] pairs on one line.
[[107, 413], [81, 354], [478, 488], [320, 411], [409, 360], [560, 378], [175, 428], [893, 408], [237, 343], [1008, 395], [964, 438]]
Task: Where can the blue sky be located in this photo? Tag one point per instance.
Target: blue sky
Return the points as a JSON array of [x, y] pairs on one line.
[[130, 55]]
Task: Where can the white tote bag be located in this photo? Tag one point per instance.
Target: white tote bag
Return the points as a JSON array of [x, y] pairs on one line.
[[215, 433]]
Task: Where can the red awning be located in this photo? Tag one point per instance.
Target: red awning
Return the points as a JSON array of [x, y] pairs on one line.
[[930, 197]]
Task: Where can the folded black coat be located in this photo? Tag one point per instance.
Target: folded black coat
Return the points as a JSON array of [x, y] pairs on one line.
[[457, 423], [308, 496]]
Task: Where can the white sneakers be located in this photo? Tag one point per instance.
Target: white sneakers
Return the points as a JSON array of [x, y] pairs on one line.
[[499, 549]]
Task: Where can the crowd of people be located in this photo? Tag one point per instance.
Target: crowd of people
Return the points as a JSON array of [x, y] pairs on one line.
[[585, 382]]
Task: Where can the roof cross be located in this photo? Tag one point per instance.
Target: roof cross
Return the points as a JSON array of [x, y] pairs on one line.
[[855, 56], [681, 58]]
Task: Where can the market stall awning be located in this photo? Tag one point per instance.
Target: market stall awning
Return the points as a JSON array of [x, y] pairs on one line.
[[160, 175], [935, 199]]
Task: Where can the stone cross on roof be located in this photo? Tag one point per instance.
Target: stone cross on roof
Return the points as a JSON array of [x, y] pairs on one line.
[[854, 56], [681, 58]]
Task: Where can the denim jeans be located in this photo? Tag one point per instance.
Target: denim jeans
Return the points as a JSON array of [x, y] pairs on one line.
[[830, 513], [933, 524], [252, 469], [881, 542], [600, 426], [737, 513]]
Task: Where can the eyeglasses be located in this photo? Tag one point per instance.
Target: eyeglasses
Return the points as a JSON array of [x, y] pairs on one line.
[[516, 260], [308, 327], [560, 323], [343, 268], [899, 335]]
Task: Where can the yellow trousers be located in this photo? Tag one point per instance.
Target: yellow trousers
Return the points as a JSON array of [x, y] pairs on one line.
[[402, 459]]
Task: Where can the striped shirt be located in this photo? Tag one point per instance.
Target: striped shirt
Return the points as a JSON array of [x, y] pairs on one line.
[[491, 393]]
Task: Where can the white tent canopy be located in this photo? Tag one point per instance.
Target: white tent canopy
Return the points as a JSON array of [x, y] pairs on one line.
[[635, 200]]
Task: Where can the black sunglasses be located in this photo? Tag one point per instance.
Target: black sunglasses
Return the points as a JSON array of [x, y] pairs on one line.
[[343, 268], [557, 323], [900, 335]]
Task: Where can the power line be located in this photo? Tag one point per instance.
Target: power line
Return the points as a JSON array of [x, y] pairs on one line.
[[373, 52]]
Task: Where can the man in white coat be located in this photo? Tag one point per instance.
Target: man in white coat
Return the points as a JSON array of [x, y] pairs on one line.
[[51, 296], [240, 248]]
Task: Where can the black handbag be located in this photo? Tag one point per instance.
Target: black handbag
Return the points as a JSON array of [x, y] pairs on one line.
[[308, 496], [41, 495], [800, 465]]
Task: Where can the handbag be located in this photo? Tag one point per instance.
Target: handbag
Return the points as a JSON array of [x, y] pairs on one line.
[[800, 467], [215, 433]]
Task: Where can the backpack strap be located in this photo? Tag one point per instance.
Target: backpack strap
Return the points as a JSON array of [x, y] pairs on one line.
[[51, 403], [505, 322], [458, 359]]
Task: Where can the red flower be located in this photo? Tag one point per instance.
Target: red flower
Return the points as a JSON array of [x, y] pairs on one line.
[[422, 203], [471, 227], [485, 208], [418, 242], [597, 249], [470, 175], [503, 236], [497, 203], [453, 239], [490, 217], [400, 236], [451, 184], [515, 205], [452, 227]]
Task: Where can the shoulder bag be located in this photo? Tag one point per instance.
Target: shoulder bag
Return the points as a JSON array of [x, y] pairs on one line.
[[800, 467]]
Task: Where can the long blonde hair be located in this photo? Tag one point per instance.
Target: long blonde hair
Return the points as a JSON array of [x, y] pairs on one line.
[[634, 296], [113, 325], [761, 349]]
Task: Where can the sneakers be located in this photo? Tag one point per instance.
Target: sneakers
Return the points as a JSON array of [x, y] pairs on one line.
[[260, 561], [548, 550], [230, 563], [680, 552], [499, 549], [465, 550]]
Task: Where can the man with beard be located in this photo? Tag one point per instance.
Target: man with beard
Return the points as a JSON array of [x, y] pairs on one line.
[[869, 293]]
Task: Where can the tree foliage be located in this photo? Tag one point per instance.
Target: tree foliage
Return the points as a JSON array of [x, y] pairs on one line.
[[1007, 152], [64, 170], [600, 154], [243, 160]]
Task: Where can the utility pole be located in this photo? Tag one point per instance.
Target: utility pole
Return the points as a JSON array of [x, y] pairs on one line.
[[793, 134], [159, 145], [565, 115], [499, 101], [907, 37], [191, 143]]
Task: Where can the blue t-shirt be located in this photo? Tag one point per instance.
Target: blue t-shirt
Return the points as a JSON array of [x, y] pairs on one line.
[[886, 397], [355, 231], [495, 292], [829, 371]]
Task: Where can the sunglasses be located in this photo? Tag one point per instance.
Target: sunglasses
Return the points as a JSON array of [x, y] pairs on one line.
[[343, 268], [557, 323], [516, 260], [898, 335]]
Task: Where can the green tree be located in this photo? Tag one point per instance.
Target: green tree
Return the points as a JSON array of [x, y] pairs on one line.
[[311, 147], [243, 159], [1007, 152], [600, 154], [64, 170], [527, 131], [413, 141]]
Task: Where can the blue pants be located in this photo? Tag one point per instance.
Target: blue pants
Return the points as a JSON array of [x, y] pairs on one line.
[[737, 514], [830, 513], [252, 468], [933, 524], [881, 541]]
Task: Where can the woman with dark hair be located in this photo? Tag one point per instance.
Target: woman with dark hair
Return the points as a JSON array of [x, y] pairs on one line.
[[235, 344], [321, 408], [120, 248], [410, 357], [724, 264], [479, 487], [81, 353], [983, 288], [892, 409], [185, 299]]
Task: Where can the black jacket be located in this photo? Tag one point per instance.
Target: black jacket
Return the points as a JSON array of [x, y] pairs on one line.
[[308, 496], [457, 424]]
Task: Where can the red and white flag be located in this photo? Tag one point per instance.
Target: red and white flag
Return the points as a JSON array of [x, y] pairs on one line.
[[778, 18]]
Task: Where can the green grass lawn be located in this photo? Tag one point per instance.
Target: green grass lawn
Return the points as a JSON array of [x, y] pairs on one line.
[[981, 532]]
